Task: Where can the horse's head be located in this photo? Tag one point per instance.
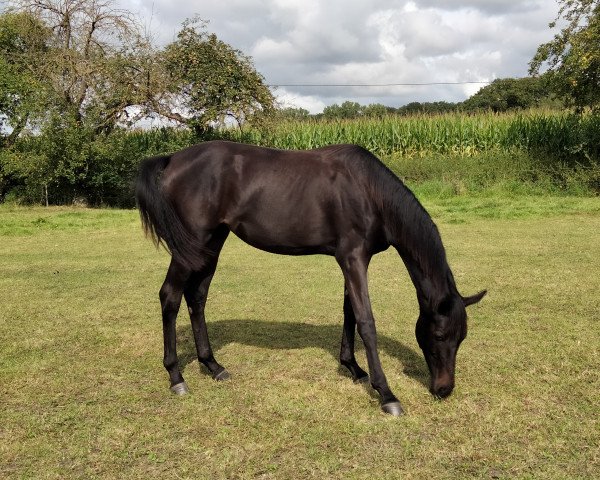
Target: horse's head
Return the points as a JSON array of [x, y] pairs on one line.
[[440, 333]]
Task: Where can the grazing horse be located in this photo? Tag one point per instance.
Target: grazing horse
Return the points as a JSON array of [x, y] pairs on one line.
[[337, 200]]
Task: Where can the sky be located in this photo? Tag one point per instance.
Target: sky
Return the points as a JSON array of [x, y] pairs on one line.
[[360, 42]]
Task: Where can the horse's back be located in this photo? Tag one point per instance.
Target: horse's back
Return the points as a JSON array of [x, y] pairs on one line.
[[282, 201]]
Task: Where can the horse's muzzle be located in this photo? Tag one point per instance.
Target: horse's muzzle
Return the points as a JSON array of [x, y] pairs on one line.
[[442, 386], [442, 391]]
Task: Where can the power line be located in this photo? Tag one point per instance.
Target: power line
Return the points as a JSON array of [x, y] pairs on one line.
[[416, 84]]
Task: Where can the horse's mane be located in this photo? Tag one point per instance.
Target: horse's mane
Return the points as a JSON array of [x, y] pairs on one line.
[[413, 232]]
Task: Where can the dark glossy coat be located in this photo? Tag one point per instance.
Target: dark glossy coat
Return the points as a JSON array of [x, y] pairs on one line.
[[338, 200]]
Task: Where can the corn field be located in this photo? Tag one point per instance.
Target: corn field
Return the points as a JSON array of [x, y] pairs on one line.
[[535, 151], [559, 135]]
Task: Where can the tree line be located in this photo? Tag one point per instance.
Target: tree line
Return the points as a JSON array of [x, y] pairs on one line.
[[501, 95]]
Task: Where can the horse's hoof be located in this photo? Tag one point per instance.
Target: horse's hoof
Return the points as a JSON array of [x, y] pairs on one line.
[[362, 380], [222, 376], [393, 408], [180, 389]]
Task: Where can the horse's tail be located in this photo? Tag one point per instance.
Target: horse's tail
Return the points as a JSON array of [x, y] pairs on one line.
[[160, 220]]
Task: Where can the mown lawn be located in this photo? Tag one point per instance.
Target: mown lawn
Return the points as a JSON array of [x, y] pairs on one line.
[[83, 393]]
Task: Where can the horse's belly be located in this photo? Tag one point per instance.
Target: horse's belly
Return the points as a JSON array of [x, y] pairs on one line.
[[286, 235]]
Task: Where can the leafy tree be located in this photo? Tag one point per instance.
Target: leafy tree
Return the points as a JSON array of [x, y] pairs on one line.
[[572, 57], [97, 50], [22, 46], [376, 110], [440, 107], [508, 94], [411, 108], [75, 73], [345, 110], [291, 113], [426, 108], [73, 68], [209, 81], [87, 62]]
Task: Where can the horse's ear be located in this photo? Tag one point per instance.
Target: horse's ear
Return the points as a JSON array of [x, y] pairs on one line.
[[474, 298]]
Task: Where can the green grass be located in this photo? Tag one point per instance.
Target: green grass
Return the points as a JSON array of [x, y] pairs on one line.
[[84, 393]]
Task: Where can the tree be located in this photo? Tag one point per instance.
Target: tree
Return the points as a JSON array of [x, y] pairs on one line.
[[508, 94], [87, 62], [572, 57], [377, 110], [411, 108], [293, 113], [416, 108], [74, 74], [22, 46], [345, 110], [209, 81], [71, 69]]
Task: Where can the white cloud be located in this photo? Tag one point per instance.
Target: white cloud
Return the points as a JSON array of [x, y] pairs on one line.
[[489, 7], [381, 41], [309, 102]]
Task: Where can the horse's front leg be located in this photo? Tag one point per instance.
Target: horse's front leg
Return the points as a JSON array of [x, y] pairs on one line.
[[354, 263], [347, 358], [170, 300]]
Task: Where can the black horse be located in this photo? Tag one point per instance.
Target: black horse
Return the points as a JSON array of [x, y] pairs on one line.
[[338, 200]]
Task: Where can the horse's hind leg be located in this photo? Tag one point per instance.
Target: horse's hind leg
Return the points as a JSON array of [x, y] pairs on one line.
[[196, 291], [170, 300], [195, 295], [347, 358]]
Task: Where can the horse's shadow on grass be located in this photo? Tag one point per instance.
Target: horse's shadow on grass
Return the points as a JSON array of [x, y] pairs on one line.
[[285, 336]]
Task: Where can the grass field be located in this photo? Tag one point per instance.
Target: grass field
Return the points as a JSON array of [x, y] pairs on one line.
[[83, 393]]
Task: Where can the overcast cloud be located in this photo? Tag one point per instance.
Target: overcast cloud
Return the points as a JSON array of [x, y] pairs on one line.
[[374, 42]]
